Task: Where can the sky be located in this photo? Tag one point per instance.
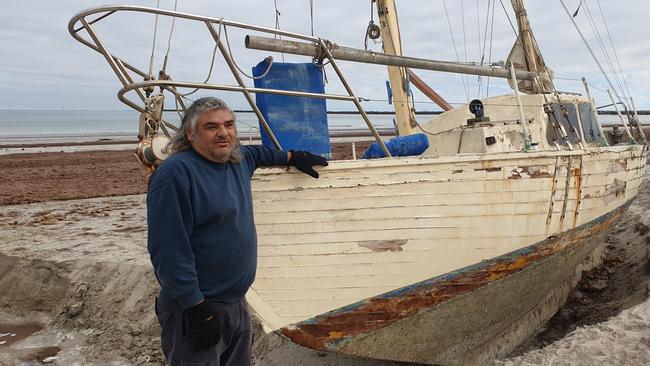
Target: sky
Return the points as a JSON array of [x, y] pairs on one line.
[[43, 67]]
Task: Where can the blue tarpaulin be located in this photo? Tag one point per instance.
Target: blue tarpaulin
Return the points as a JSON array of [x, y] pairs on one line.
[[298, 123], [409, 145]]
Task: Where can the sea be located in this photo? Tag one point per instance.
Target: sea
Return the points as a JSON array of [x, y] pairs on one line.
[[70, 125]]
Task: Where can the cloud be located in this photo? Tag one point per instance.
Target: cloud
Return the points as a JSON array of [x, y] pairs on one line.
[[41, 65]]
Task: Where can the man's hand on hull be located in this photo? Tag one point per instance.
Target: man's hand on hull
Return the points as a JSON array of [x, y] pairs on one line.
[[203, 326], [304, 161]]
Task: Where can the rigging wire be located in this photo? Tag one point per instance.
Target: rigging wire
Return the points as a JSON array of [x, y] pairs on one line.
[[593, 55], [537, 78], [487, 88], [487, 20], [478, 25], [508, 17], [169, 40], [603, 48], [453, 41], [462, 14], [602, 14], [153, 46], [277, 24], [311, 14]]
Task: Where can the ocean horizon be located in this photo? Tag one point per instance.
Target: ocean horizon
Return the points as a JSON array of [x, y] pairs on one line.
[[22, 124]]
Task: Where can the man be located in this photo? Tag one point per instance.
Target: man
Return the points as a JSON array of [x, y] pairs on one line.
[[201, 236]]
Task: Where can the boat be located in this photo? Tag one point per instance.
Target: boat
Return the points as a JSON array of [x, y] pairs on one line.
[[452, 256]]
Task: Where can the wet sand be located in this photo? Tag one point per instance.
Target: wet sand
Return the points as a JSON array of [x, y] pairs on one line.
[[73, 260]]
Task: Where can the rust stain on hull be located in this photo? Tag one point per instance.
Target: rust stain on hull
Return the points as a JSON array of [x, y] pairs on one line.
[[333, 330], [577, 174]]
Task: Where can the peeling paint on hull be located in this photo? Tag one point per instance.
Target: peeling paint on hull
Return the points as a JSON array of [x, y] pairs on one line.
[[348, 329]]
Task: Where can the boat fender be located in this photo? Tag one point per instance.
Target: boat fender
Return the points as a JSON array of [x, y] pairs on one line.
[[409, 145]]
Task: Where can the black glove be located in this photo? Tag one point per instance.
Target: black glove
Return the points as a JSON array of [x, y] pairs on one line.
[[203, 326], [304, 161]]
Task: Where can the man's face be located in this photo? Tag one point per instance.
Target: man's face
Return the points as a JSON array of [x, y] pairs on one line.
[[216, 135]]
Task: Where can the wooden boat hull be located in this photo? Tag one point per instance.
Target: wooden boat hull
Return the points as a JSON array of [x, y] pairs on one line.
[[448, 260], [467, 317]]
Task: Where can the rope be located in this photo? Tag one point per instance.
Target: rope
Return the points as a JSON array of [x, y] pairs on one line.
[[453, 41], [372, 31], [225, 31], [214, 54]]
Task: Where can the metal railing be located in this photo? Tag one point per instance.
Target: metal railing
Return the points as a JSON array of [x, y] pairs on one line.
[[127, 73]]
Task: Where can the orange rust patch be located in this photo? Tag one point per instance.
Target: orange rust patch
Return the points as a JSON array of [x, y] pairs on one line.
[[323, 332], [577, 174]]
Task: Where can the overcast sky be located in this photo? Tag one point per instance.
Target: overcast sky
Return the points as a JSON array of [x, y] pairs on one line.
[[43, 67]]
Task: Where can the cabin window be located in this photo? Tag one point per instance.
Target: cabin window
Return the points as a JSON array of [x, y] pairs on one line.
[[588, 122], [571, 122]]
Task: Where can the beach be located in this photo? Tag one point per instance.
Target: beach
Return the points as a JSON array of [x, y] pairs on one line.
[[77, 288]]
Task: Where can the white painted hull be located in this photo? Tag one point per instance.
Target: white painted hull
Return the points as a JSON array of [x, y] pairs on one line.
[[368, 227]]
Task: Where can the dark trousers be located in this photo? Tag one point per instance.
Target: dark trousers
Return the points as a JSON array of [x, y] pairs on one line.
[[233, 348]]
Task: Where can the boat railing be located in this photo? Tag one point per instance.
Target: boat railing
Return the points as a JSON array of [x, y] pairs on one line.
[[127, 72]]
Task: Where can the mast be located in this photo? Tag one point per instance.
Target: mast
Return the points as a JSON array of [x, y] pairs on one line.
[[526, 55], [404, 113], [525, 33]]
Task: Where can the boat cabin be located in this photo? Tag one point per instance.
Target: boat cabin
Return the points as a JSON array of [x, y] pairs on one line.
[[457, 131]]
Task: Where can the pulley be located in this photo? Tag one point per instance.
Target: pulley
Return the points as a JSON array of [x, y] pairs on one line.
[[373, 31], [152, 151], [152, 148], [151, 118]]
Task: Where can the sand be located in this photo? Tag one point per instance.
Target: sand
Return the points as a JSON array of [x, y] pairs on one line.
[[76, 282]]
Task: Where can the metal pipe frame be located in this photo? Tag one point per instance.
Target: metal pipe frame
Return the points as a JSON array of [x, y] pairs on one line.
[[356, 100], [240, 81], [522, 118], [352, 54], [120, 67]]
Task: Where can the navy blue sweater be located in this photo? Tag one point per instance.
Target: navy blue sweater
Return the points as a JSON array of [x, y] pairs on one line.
[[201, 234]]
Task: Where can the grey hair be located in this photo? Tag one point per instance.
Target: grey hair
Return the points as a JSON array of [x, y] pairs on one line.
[[179, 141]]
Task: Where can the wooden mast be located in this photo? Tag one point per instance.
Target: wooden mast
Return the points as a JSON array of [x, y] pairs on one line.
[[526, 37], [525, 33], [404, 113]]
